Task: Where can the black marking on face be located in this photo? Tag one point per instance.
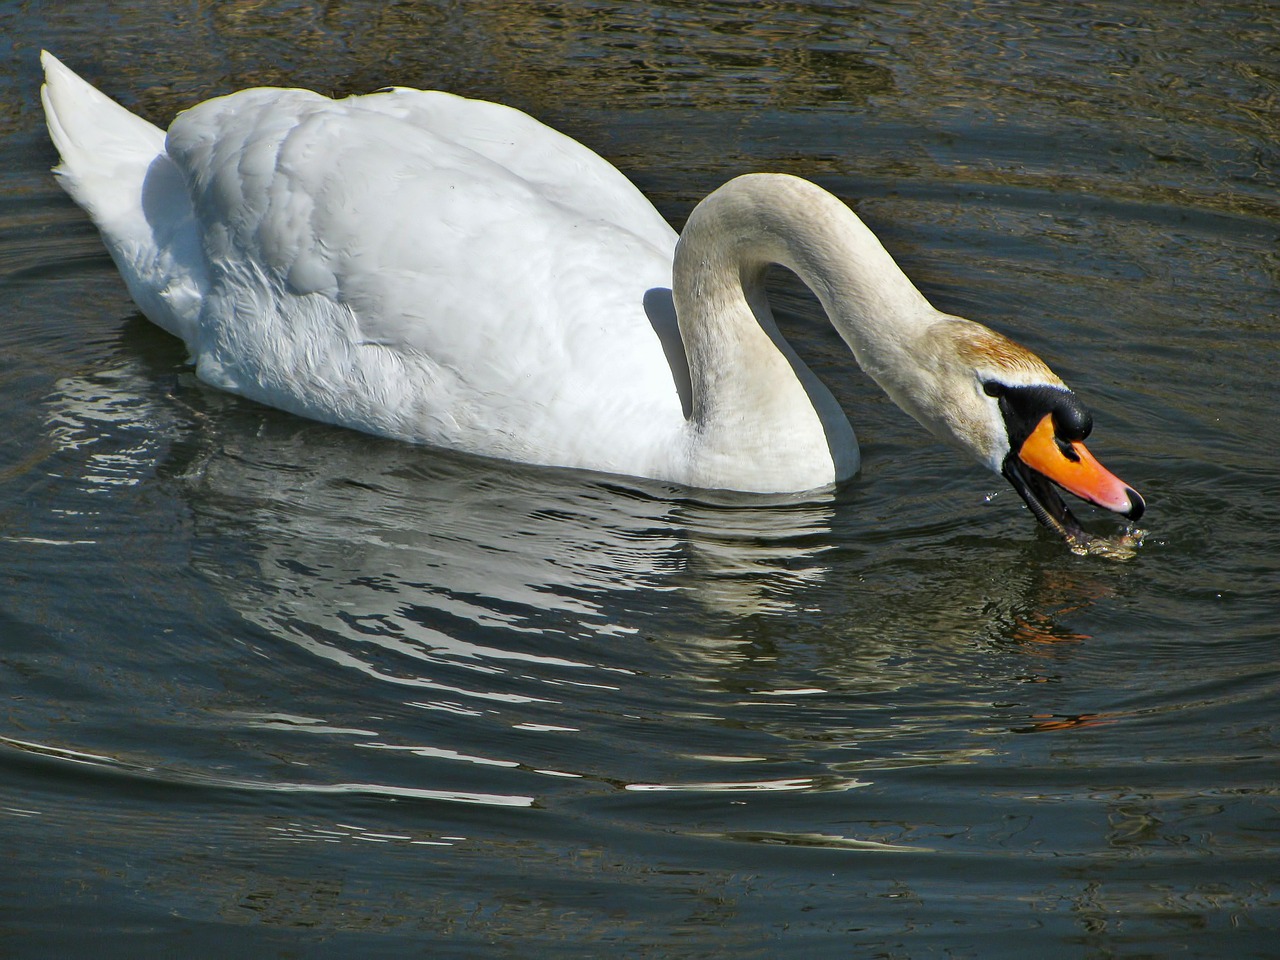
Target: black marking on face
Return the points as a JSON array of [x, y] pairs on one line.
[[1023, 407]]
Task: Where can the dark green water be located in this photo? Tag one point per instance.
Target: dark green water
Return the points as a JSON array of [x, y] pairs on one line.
[[272, 689]]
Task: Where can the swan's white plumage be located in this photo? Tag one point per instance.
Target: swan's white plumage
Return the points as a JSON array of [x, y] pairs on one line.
[[369, 271], [453, 272]]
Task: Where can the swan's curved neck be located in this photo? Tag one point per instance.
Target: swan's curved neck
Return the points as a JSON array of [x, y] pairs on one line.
[[740, 368]]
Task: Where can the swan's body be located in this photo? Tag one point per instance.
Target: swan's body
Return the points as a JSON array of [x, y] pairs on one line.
[[453, 272]]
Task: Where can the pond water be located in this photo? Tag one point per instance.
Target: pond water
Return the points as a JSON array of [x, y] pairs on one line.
[[272, 688]]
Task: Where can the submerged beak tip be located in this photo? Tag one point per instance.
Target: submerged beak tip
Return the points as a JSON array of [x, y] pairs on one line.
[[1137, 506]]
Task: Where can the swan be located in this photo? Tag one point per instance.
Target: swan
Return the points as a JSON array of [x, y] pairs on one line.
[[452, 272]]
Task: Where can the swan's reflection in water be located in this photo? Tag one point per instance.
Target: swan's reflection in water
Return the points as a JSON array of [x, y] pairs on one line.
[[420, 558], [404, 546], [494, 623]]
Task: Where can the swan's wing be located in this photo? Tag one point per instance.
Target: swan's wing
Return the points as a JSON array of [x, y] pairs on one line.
[[561, 168], [527, 294]]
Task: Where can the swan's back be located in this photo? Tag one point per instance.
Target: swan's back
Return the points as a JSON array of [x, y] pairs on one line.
[[559, 167]]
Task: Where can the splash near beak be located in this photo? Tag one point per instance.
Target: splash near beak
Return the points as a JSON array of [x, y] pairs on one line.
[[1071, 466]]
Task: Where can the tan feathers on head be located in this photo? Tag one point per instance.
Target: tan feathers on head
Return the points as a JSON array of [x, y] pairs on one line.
[[984, 349]]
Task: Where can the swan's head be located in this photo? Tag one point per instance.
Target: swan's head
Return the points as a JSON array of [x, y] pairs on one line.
[[1003, 404]]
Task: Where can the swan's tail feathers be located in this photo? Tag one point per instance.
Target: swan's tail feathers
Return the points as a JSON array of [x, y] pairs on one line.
[[114, 165], [105, 148]]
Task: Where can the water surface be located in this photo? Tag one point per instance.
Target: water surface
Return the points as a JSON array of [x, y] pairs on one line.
[[272, 688]]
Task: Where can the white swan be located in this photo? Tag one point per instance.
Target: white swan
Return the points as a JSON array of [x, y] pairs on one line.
[[452, 272]]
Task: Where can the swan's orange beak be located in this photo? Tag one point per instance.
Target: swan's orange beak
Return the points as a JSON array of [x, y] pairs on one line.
[[1071, 466]]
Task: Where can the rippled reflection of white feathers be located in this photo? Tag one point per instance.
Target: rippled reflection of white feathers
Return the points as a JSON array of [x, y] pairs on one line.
[[363, 542], [111, 424]]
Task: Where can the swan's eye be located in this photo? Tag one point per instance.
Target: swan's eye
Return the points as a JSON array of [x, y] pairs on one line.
[[993, 388]]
